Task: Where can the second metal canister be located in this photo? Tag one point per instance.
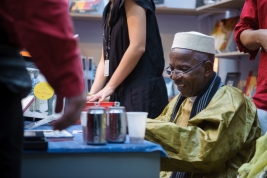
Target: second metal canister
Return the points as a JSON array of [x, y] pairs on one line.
[[116, 124], [96, 126]]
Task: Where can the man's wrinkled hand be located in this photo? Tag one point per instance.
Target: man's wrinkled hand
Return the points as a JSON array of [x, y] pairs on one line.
[[71, 112]]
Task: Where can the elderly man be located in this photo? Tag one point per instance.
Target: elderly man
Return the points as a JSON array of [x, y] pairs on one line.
[[208, 130]]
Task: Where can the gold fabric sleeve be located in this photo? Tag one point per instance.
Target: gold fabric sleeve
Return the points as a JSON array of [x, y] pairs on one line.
[[257, 167]]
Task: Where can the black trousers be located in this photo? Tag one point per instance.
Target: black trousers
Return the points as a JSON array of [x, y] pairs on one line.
[[11, 133]]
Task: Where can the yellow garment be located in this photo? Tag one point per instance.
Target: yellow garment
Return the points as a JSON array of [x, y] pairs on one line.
[[257, 167], [216, 142], [182, 120]]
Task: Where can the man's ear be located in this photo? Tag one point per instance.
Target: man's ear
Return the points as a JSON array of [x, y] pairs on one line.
[[208, 66]]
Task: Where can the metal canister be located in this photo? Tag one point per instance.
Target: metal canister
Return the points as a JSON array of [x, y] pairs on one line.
[[96, 126], [116, 124]]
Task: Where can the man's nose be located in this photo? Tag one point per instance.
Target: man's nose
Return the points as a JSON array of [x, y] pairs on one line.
[[174, 77]]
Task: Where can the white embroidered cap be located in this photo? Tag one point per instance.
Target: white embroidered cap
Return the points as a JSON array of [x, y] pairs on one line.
[[194, 41]]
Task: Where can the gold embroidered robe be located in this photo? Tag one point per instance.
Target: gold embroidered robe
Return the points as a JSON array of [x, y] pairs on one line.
[[216, 142]]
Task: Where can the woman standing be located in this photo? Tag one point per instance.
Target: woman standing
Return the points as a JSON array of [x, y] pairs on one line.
[[132, 62]]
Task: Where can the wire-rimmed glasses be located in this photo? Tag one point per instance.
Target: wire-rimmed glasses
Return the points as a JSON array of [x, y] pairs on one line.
[[179, 73]]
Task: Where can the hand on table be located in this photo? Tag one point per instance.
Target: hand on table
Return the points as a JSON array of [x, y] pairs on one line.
[[71, 113], [101, 95]]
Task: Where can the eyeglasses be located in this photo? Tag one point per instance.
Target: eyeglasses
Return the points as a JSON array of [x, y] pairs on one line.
[[180, 73]]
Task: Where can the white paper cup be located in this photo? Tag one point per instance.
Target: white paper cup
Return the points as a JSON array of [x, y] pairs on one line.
[[83, 118], [136, 126]]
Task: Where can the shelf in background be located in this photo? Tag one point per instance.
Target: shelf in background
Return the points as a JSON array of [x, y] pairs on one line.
[[159, 10], [223, 4], [85, 17], [178, 11], [231, 54], [217, 7]]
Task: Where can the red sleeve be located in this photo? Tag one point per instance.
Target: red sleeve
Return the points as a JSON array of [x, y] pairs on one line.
[[248, 20], [45, 29]]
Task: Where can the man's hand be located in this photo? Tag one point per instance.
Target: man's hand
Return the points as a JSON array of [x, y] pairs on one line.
[[254, 39], [71, 113]]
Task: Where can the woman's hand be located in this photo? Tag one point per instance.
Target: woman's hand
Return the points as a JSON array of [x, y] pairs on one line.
[[101, 95]]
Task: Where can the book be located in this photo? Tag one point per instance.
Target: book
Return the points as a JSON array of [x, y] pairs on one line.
[[199, 3], [216, 65], [34, 140], [43, 104], [241, 85], [57, 134], [83, 6], [206, 2], [158, 2], [89, 70], [232, 79], [40, 122], [49, 133], [251, 84], [223, 32], [188, 4], [26, 102]]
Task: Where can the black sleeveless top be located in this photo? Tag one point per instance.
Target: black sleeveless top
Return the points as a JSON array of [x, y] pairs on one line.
[[146, 79]]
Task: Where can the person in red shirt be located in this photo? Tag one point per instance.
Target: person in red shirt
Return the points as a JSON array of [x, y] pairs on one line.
[[44, 28], [250, 36]]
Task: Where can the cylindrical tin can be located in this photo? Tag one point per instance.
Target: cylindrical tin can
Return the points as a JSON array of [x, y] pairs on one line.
[[96, 126], [116, 124]]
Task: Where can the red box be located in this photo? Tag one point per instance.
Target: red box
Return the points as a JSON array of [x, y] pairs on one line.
[[100, 104]]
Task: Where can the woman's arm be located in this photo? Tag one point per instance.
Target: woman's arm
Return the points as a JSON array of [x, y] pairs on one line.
[[136, 21], [100, 79]]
